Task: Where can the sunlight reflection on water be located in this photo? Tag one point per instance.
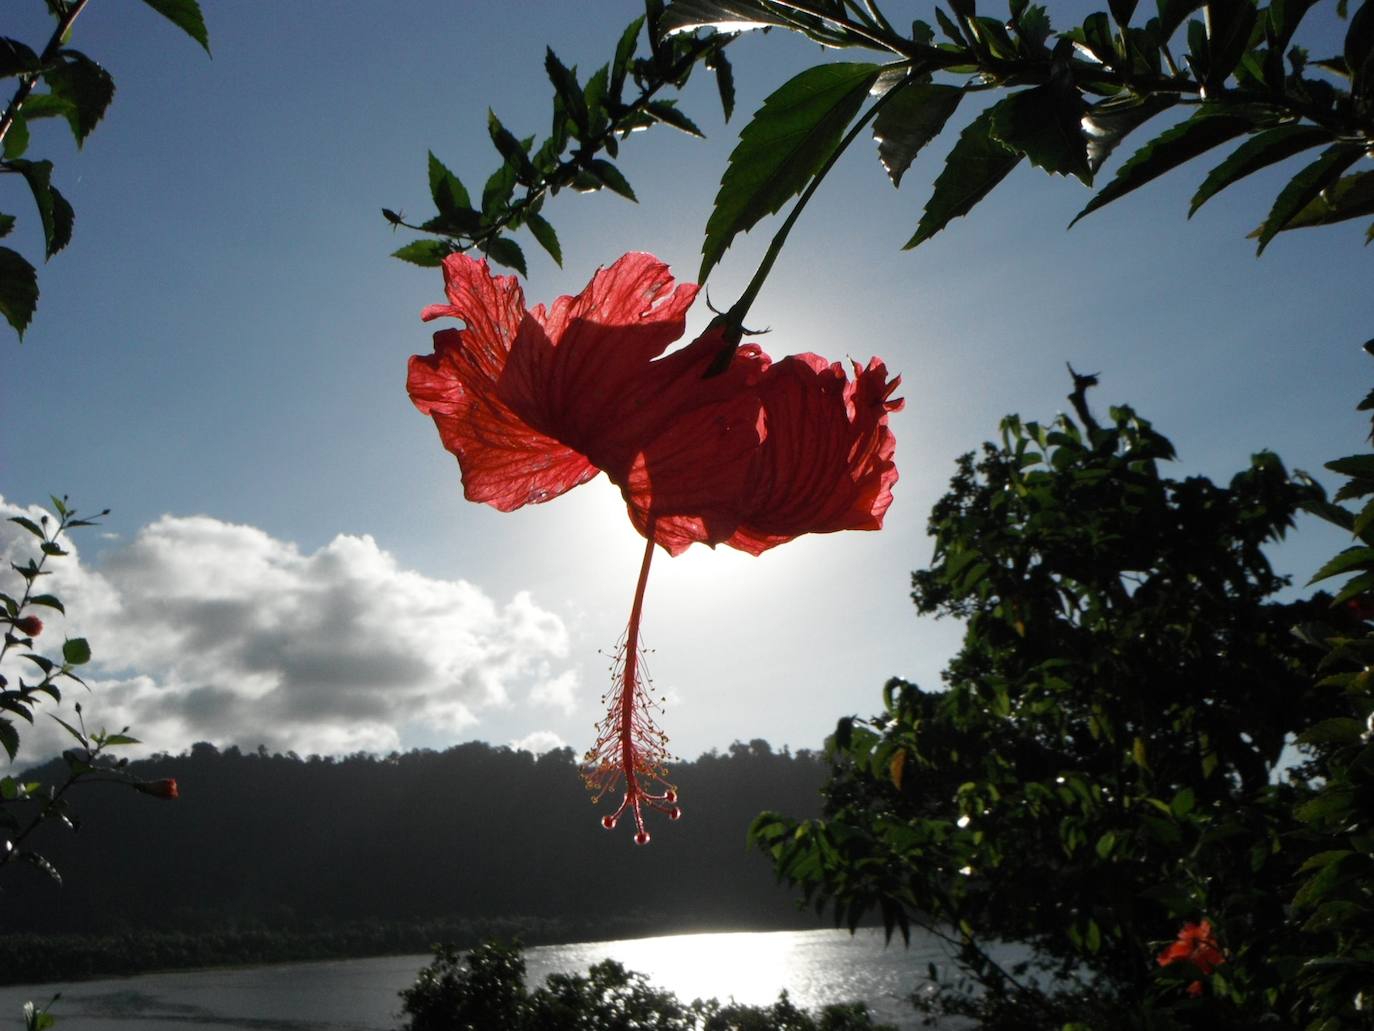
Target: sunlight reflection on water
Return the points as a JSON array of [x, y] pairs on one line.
[[816, 967]]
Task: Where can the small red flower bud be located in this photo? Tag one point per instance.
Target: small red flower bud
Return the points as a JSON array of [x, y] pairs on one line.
[[608, 822], [642, 838], [166, 789], [31, 626]]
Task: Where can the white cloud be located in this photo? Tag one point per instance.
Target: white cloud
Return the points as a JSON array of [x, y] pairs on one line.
[[206, 630], [539, 742]]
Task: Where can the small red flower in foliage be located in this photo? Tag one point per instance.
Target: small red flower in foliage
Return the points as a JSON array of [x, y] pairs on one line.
[[1196, 945], [160, 788], [30, 626], [534, 402]]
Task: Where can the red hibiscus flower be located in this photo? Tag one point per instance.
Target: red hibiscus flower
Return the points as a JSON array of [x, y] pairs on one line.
[[165, 789], [1195, 944], [534, 402]]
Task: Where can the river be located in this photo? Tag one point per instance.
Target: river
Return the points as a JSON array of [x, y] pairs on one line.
[[360, 994]]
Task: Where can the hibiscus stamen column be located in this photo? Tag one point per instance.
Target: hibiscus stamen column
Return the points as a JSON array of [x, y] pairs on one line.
[[628, 742]]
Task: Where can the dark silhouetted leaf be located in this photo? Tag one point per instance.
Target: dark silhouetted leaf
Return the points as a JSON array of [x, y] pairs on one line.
[[1171, 148], [975, 165], [1304, 188], [75, 651], [725, 81], [53, 209], [1122, 11], [1045, 123], [1231, 21], [608, 175], [446, 188], [1260, 151], [9, 738], [509, 147], [85, 86], [16, 58], [666, 111], [909, 120], [505, 251], [786, 142], [565, 83], [17, 139], [1359, 51], [1108, 122], [548, 239], [6, 224], [624, 50], [1349, 197], [429, 253], [185, 14], [497, 192], [721, 15], [1172, 14]]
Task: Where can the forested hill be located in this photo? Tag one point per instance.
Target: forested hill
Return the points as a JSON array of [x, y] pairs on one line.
[[475, 834]]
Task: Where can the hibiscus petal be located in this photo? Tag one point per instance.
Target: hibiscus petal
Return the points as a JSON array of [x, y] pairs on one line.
[[505, 462], [576, 372], [826, 461]]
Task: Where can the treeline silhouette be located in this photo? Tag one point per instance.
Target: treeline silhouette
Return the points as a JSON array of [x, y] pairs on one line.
[[274, 857]]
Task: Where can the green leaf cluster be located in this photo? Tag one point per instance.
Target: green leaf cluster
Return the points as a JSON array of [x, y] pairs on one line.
[[56, 82], [591, 118]]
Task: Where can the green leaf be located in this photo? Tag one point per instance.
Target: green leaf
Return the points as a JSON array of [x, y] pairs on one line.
[[48, 600], [53, 208], [608, 175], [446, 188], [80, 737], [427, 253], [1337, 730], [6, 225], [909, 120], [1353, 465], [505, 251], [85, 86], [784, 145], [16, 58], [721, 15], [1350, 558], [9, 738], [497, 192], [75, 651], [29, 525], [1045, 124], [1109, 121], [1351, 196], [624, 50], [1260, 151], [185, 15], [666, 111], [977, 163], [18, 289], [1304, 188], [1171, 148], [17, 139], [509, 147], [1362, 584], [548, 239], [566, 86], [1172, 14], [1230, 25], [120, 739], [725, 81], [1359, 51]]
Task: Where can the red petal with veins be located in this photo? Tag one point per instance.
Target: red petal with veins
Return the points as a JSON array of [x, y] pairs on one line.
[[826, 460], [505, 462]]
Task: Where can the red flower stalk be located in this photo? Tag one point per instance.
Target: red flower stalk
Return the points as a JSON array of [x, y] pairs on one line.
[[1195, 944], [534, 402], [166, 789], [30, 626]]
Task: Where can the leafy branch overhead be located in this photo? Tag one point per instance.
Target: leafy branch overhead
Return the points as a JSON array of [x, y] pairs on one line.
[[1064, 102], [590, 119], [77, 90]]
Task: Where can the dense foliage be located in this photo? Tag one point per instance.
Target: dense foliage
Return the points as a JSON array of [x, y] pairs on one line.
[[1107, 763], [485, 988]]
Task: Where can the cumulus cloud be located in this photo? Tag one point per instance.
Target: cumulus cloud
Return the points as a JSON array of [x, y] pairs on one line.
[[539, 742], [207, 630]]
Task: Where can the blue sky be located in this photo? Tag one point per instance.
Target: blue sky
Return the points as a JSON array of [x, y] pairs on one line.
[[219, 357]]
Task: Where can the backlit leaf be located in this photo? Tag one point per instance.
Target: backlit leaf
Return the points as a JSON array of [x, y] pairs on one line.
[[1304, 188], [86, 87], [721, 15], [909, 120], [185, 15], [1045, 123], [1171, 148], [786, 142], [975, 165], [1260, 151], [427, 253], [18, 289], [1351, 196], [505, 251], [1108, 122], [548, 239]]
